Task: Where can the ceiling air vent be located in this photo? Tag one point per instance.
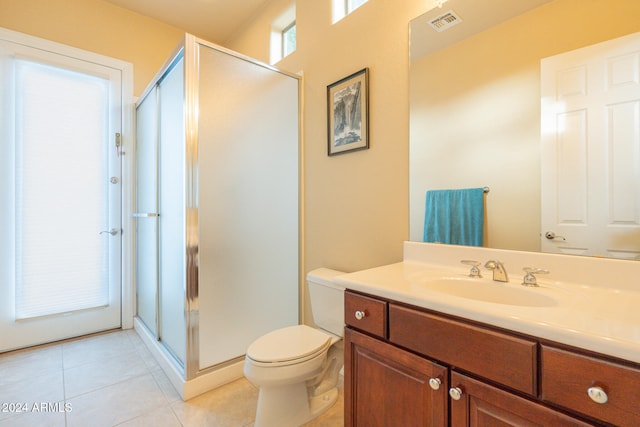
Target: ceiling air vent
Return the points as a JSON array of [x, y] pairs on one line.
[[445, 21]]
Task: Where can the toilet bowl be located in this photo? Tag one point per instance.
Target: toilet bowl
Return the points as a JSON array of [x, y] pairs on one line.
[[296, 368]]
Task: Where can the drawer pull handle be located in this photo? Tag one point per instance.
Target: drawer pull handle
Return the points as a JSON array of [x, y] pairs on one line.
[[455, 393], [597, 394], [360, 314], [435, 383]]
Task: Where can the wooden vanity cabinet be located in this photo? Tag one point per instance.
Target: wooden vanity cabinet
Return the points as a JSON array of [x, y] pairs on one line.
[[387, 386], [567, 378], [366, 313], [483, 405], [383, 384], [508, 360], [393, 352]]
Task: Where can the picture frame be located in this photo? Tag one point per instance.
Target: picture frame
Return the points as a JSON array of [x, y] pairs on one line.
[[348, 113]]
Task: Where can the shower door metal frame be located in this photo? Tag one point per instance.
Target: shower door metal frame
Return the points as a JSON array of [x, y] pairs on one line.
[[192, 310]]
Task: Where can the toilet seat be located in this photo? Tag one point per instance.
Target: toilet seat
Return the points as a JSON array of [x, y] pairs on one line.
[[288, 346]]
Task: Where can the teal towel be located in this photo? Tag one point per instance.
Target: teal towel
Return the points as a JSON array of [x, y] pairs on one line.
[[455, 217]]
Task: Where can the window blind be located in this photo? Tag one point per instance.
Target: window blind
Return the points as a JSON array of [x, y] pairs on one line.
[[61, 190]]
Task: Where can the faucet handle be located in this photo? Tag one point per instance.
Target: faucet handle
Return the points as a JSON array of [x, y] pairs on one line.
[[475, 271], [530, 278]]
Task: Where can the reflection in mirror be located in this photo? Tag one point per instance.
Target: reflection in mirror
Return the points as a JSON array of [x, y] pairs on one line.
[[475, 102]]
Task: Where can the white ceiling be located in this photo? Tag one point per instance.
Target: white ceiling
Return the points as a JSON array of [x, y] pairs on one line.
[[217, 20], [212, 20]]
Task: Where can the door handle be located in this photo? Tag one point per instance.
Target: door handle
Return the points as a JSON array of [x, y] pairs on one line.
[[551, 235], [113, 231]]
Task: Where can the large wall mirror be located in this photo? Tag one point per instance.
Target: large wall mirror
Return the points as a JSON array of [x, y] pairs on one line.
[[475, 102]]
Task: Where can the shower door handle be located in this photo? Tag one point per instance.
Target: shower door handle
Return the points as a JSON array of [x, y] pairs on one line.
[[113, 231], [145, 215]]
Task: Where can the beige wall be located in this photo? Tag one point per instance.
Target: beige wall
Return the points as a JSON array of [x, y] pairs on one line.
[[99, 27], [482, 128], [356, 203], [484, 97]]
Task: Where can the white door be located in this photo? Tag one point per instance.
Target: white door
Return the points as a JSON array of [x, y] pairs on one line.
[[60, 190], [590, 165]]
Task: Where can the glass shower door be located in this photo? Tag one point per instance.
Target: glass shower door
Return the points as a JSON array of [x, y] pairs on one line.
[[147, 213], [172, 228], [160, 212]]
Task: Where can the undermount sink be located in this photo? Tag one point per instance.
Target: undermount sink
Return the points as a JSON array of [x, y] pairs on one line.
[[489, 291]]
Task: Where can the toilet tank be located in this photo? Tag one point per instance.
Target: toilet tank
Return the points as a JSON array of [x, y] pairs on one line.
[[327, 300]]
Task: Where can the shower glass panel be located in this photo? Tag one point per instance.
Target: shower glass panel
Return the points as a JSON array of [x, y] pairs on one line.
[[172, 212], [146, 212], [248, 203]]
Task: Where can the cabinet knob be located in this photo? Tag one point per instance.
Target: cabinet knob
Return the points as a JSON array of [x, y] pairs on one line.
[[435, 383], [455, 393], [360, 314], [597, 394]]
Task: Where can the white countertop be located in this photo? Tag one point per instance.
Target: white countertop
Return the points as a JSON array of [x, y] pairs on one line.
[[598, 318]]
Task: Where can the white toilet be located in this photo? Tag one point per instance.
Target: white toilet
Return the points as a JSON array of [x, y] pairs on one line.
[[296, 368]]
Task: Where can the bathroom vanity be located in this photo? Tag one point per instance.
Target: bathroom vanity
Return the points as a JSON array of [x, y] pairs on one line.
[[419, 351]]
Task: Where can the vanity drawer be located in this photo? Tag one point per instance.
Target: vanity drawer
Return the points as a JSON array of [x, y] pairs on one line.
[[365, 313], [493, 355], [567, 377]]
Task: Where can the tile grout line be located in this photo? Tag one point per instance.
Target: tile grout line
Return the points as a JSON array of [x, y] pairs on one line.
[[64, 384]]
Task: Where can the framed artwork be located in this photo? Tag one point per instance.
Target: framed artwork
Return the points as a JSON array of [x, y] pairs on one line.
[[348, 113]]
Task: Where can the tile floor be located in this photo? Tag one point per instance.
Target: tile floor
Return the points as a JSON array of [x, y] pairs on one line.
[[111, 379]]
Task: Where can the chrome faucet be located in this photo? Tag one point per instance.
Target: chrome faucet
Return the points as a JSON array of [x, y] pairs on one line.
[[499, 273]]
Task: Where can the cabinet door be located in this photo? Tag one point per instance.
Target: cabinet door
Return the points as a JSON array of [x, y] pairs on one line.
[[387, 386], [484, 405]]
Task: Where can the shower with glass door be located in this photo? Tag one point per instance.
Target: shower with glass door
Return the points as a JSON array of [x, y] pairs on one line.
[[217, 211]]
